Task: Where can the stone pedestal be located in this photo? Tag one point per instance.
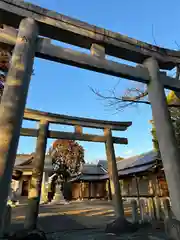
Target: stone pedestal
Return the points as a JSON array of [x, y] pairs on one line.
[[58, 197]]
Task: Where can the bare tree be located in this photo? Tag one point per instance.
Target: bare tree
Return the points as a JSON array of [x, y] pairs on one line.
[[137, 94]]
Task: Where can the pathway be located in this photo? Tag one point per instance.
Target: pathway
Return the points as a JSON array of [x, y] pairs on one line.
[[79, 215], [77, 220]]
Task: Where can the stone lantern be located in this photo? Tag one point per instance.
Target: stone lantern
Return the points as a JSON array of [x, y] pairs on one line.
[[49, 176]]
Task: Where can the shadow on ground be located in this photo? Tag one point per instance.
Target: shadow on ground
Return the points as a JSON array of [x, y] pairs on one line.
[[74, 216], [52, 224], [77, 220]]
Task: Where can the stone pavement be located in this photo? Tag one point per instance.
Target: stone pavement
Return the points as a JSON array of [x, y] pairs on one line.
[[76, 215], [86, 219], [101, 235]]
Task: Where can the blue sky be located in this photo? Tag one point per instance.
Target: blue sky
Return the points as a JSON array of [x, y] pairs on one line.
[[65, 90]]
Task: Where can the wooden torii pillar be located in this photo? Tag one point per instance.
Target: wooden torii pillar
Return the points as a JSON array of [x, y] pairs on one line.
[[13, 103]]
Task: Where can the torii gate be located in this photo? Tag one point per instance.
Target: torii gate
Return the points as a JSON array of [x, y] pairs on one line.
[[33, 21]]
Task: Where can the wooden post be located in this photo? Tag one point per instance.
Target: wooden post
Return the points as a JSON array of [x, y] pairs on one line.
[[78, 129], [13, 103], [165, 134], [151, 209], [97, 50], [81, 194], [157, 204], [143, 212], [113, 175], [109, 191], [37, 174], [138, 193], [135, 214], [167, 208]]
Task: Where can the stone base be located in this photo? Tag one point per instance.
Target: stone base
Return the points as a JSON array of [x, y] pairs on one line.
[[79, 200], [157, 225], [28, 235], [43, 199], [61, 202], [121, 226], [59, 199], [44, 203], [172, 228]]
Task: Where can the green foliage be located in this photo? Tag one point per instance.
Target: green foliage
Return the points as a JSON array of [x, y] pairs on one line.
[[119, 159], [67, 157], [175, 117], [154, 138]]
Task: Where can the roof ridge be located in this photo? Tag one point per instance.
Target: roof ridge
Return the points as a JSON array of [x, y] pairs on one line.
[[137, 155], [27, 162]]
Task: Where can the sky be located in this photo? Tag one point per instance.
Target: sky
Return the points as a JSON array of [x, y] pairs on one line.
[[66, 90]]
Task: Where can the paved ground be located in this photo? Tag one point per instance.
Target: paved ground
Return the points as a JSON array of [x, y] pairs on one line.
[[76, 215], [75, 220]]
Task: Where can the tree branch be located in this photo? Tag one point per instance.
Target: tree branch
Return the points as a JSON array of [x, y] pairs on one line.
[[125, 101]]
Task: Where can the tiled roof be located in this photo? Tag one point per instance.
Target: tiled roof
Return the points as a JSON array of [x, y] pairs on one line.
[[127, 166], [104, 164], [92, 169], [134, 164], [26, 162], [87, 169], [131, 171], [21, 158], [82, 177], [135, 161]]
